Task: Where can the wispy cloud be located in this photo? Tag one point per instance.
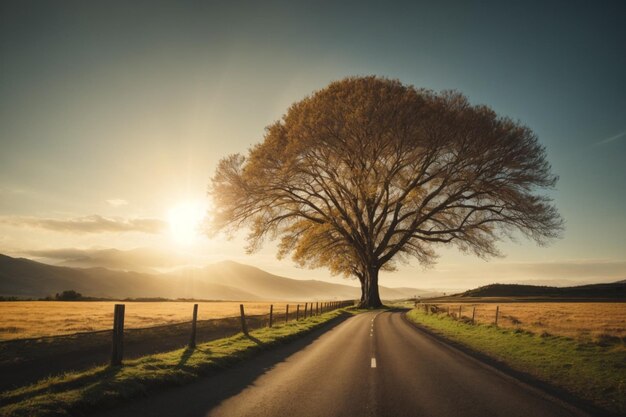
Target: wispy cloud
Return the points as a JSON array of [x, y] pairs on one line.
[[88, 224], [611, 139], [117, 202], [139, 259]]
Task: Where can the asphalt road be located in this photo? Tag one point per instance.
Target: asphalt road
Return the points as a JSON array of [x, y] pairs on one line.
[[373, 364]]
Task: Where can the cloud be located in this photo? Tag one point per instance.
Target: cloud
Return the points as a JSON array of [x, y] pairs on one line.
[[117, 202], [139, 259], [88, 224], [611, 139]]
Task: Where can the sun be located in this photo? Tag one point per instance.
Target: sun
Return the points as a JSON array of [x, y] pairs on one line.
[[185, 219]]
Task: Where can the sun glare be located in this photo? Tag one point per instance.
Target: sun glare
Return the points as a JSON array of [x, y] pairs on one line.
[[185, 219]]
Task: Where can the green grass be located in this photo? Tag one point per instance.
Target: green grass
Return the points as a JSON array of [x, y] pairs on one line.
[[79, 393], [590, 371]]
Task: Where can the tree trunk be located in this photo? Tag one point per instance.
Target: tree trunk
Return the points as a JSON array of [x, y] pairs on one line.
[[369, 289], [362, 281]]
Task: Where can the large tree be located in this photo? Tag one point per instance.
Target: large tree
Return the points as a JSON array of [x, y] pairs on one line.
[[368, 172]]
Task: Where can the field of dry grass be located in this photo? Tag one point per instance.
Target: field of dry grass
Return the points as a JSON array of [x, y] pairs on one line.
[[581, 321], [25, 319]]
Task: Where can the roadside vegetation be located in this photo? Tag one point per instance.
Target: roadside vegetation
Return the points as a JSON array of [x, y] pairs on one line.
[[78, 393], [592, 370], [585, 322]]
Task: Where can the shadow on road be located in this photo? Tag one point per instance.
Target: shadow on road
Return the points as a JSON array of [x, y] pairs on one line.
[[210, 391]]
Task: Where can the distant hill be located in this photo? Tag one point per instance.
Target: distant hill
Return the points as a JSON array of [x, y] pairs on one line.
[[22, 277], [611, 290]]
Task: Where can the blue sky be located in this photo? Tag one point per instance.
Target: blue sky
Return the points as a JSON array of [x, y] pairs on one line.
[[112, 113]]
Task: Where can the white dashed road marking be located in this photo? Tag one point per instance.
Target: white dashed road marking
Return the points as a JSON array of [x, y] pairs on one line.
[[373, 362]]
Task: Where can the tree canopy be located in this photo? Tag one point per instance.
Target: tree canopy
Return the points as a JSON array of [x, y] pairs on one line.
[[369, 172]]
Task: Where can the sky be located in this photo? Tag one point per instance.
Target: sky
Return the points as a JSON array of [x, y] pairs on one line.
[[113, 116]]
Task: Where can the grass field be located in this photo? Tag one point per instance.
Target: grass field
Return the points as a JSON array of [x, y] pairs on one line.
[[25, 319], [592, 371], [582, 321]]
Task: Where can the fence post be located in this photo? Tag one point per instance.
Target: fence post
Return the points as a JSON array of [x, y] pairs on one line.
[[244, 326], [305, 306], [448, 311], [297, 312], [473, 314], [271, 314], [118, 335], [497, 311], [287, 314], [459, 312], [194, 320], [317, 308]]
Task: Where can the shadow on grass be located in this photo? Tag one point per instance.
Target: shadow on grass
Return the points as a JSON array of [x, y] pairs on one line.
[[211, 390], [185, 356], [106, 374], [255, 340]]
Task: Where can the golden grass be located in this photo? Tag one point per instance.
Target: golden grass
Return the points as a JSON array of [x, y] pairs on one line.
[[25, 319], [581, 321]]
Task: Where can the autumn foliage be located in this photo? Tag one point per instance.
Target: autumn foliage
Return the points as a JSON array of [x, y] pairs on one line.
[[369, 172]]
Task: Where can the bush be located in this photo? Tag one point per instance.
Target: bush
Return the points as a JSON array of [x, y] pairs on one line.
[[68, 295]]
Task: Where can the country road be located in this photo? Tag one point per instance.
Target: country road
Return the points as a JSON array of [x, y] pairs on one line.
[[373, 364]]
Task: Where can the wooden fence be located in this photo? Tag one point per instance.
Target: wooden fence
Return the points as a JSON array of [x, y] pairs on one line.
[[309, 310], [435, 309]]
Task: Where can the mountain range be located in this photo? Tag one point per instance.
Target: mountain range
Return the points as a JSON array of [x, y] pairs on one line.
[[25, 278]]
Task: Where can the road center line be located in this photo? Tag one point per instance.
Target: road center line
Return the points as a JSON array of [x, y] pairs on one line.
[[373, 362]]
